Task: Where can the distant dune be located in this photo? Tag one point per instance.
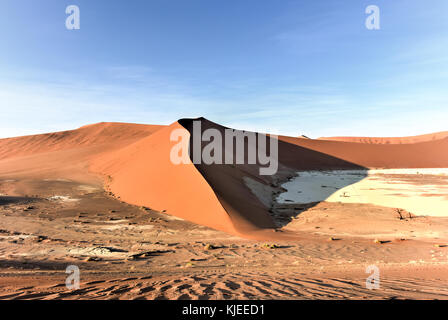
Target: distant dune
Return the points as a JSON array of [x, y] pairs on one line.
[[132, 162], [67, 154], [391, 140], [429, 154], [105, 133]]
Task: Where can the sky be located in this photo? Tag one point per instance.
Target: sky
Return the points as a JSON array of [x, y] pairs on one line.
[[283, 67]]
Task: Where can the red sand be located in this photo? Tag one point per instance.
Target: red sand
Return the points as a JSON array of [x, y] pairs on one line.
[[134, 162], [143, 174], [94, 134], [430, 154], [66, 154], [391, 140]]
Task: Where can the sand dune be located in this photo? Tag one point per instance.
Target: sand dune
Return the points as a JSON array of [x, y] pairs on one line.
[[430, 154], [66, 154], [96, 134], [143, 174], [133, 162], [250, 214], [391, 140], [107, 198]]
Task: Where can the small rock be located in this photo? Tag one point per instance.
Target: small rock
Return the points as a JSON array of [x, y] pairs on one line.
[[271, 246], [92, 259]]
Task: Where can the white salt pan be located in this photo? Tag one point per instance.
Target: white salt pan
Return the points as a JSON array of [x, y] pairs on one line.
[[419, 191]]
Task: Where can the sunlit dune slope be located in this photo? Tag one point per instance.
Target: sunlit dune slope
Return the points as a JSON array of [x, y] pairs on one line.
[[95, 134], [66, 154], [143, 174]]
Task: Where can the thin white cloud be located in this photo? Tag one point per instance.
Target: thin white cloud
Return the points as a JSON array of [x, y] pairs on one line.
[[42, 106]]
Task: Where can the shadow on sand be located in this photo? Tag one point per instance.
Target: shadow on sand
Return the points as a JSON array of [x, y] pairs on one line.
[[245, 208], [5, 200]]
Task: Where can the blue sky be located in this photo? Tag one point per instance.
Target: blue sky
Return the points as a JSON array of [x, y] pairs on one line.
[[287, 67]]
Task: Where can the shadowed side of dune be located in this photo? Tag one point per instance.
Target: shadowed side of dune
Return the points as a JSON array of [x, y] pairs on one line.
[[248, 213]]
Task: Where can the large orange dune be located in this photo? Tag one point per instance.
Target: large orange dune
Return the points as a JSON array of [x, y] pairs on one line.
[[66, 154], [133, 162], [105, 133], [143, 174]]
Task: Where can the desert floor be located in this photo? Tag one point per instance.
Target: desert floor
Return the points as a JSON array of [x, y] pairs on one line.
[[129, 252]]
